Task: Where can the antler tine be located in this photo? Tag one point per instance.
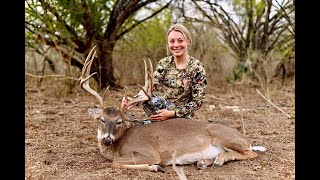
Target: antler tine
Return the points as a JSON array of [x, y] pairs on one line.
[[145, 92], [85, 76], [86, 64], [151, 78], [146, 82], [148, 85]]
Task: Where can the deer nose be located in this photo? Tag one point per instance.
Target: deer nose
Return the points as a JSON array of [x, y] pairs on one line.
[[107, 141]]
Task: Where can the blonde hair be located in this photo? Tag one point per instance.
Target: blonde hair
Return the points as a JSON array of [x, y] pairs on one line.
[[184, 31]]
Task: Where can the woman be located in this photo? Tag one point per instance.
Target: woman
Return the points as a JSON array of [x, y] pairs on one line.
[[179, 78]]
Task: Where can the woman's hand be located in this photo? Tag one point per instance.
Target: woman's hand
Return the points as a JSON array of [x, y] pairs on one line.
[[162, 115]]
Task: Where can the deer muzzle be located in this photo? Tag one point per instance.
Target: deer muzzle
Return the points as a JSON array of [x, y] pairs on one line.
[[107, 141]]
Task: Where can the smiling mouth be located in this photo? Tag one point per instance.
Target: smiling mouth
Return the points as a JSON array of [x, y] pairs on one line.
[[177, 50]]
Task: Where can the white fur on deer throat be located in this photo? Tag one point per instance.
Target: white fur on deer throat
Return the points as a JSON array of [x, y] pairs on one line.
[[101, 136], [209, 153]]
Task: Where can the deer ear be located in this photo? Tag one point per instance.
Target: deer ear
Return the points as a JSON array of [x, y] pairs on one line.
[[95, 112]]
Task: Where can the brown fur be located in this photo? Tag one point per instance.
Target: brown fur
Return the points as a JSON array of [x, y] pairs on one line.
[[146, 147]]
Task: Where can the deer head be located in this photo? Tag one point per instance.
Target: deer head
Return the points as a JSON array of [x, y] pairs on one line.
[[112, 121]]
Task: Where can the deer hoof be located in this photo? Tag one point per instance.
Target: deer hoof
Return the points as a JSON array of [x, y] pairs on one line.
[[160, 169], [201, 165]]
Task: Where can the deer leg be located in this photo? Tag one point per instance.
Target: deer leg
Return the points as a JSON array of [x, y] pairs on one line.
[[204, 163], [233, 155], [138, 162]]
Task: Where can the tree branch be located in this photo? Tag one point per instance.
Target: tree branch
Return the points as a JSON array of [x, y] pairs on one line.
[[143, 20]]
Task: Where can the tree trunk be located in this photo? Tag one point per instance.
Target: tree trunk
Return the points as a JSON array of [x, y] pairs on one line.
[[103, 66]]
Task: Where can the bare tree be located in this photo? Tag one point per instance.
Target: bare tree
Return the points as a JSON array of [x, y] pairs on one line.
[[262, 26]]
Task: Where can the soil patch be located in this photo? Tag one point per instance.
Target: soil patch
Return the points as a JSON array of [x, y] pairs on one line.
[[60, 140]]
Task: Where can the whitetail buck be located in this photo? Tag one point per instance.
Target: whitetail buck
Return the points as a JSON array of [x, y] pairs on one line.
[[150, 147]]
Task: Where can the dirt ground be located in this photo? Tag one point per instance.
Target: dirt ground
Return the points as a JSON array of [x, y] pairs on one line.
[[60, 140]]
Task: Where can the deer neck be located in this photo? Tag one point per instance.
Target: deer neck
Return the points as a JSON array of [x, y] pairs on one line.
[[109, 152], [121, 131]]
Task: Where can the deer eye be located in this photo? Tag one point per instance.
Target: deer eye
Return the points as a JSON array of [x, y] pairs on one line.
[[119, 121], [102, 120]]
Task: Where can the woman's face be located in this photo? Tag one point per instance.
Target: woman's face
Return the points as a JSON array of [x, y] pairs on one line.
[[178, 45]]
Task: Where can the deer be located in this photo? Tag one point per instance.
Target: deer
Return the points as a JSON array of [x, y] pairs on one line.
[[151, 147]]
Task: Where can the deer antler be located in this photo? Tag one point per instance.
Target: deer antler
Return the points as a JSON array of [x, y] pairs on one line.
[[148, 80], [85, 76], [151, 78], [146, 91]]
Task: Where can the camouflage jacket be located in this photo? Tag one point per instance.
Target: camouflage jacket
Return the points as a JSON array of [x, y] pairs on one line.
[[186, 87]]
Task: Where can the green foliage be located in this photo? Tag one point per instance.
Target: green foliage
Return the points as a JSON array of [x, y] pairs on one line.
[[242, 7], [150, 35], [147, 40], [259, 7], [77, 21], [42, 19], [239, 70]]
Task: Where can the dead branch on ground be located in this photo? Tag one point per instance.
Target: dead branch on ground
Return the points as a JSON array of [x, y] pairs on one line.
[[269, 101], [52, 75]]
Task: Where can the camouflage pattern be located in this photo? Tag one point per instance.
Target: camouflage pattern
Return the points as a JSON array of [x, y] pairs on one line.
[[186, 87], [156, 103]]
